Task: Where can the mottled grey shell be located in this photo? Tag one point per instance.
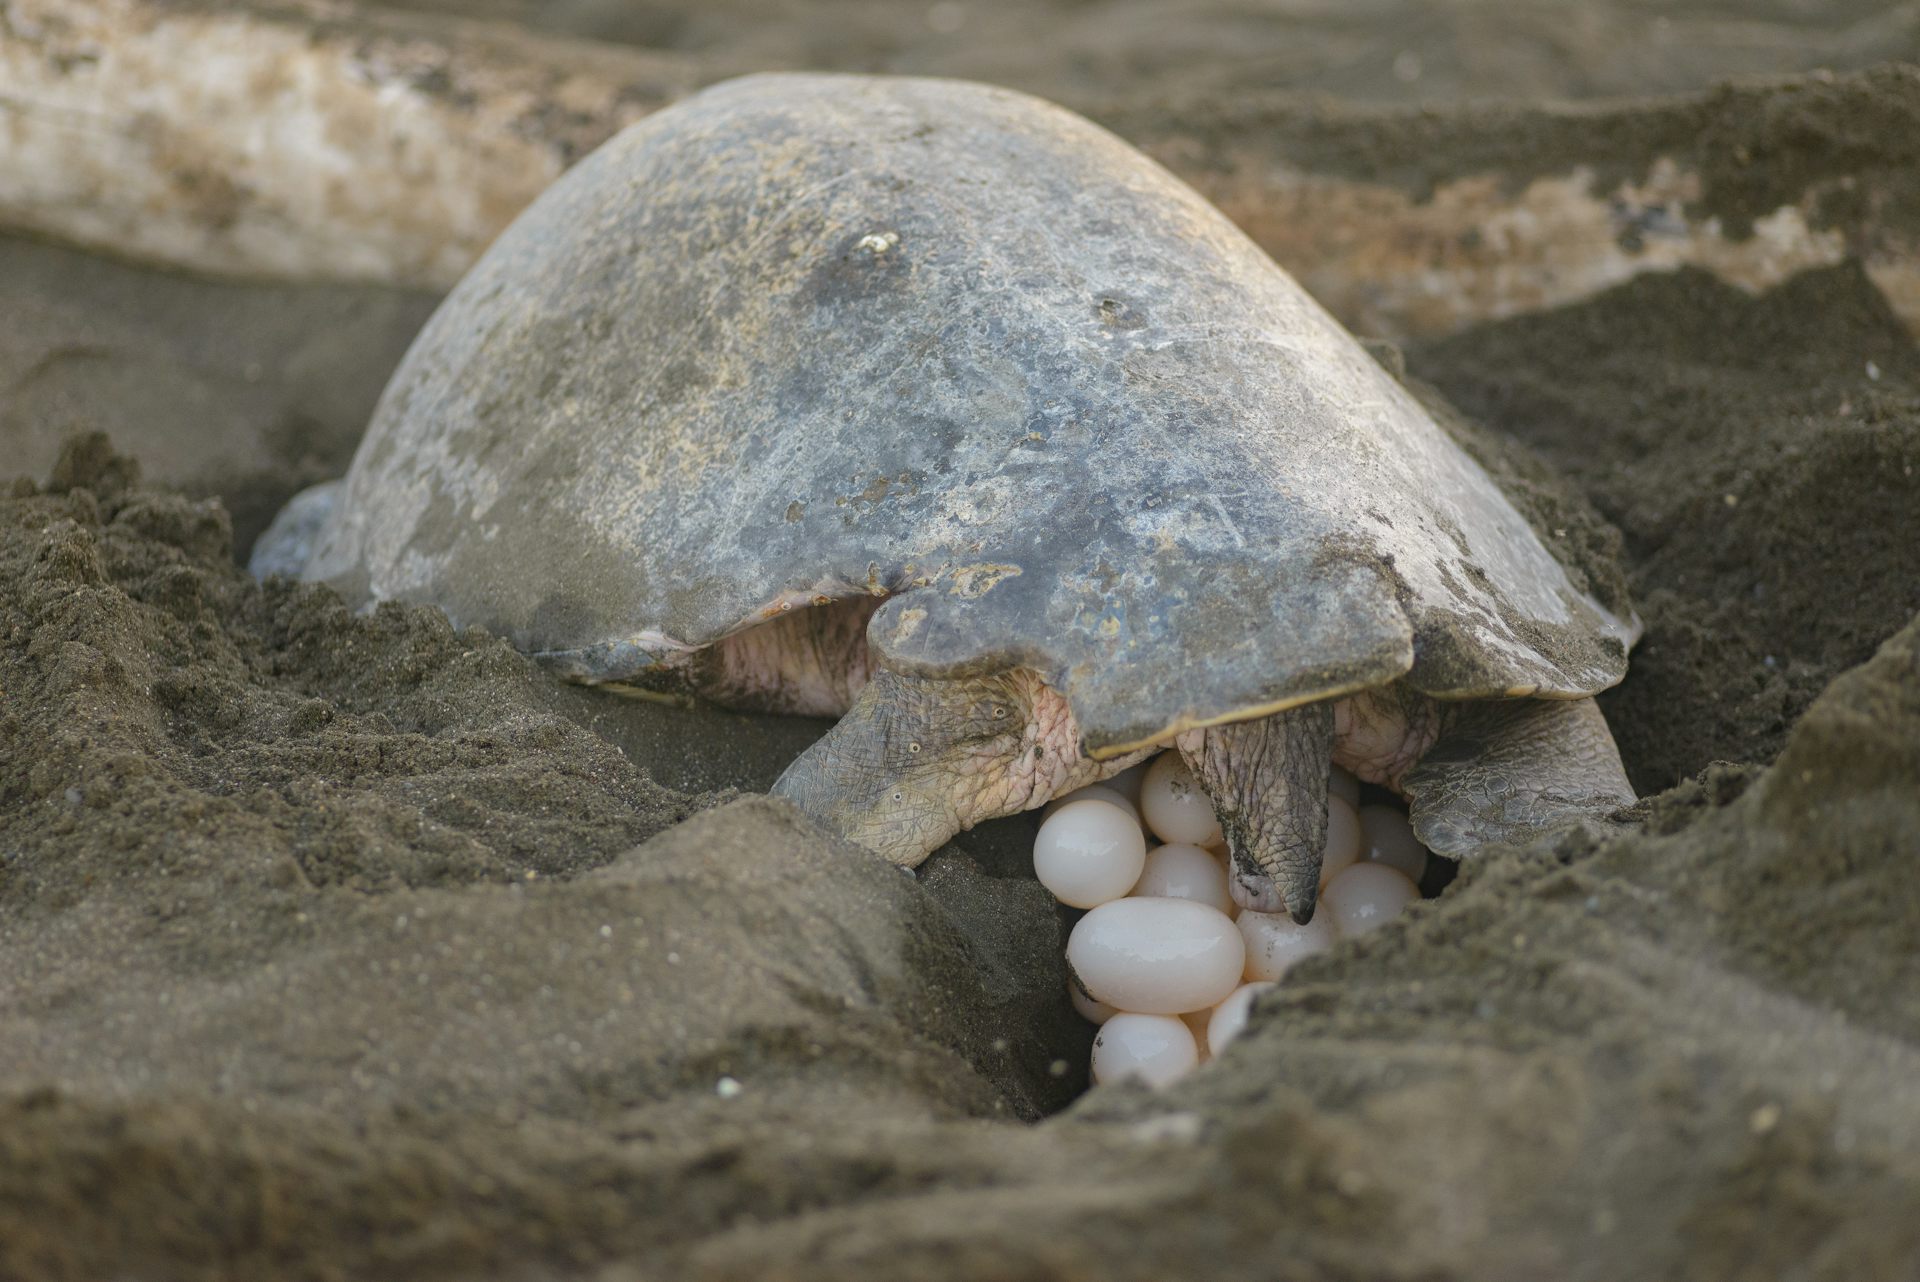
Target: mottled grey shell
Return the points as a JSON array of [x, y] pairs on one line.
[[803, 337]]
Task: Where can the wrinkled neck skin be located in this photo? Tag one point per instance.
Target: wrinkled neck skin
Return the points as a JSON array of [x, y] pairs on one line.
[[916, 760]]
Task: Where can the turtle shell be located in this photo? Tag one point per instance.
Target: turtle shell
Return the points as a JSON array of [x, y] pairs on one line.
[[801, 337]]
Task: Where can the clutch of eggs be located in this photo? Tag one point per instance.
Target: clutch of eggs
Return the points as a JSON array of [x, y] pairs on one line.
[[1164, 960]]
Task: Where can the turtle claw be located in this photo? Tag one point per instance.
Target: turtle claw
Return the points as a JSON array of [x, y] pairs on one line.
[[1301, 889], [1294, 891]]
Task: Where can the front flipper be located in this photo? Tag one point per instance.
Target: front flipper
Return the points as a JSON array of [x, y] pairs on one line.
[[1506, 770], [1268, 782], [917, 759], [288, 543], [896, 773]]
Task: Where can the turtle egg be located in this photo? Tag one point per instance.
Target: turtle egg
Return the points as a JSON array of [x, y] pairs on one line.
[[1343, 840], [1275, 941], [1345, 785], [1175, 806], [1185, 872], [1156, 956], [1364, 898], [1389, 840], [1157, 1049], [1230, 1016], [1090, 1010], [1088, 853], [1092, 792]]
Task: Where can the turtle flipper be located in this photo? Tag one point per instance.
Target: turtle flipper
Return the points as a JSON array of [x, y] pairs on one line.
[[1267, 779], [1508, 769], [287, 545]]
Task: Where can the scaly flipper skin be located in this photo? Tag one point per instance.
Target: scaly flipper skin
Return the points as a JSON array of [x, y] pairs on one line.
[[917, 759], [1268, 782], [288, 543], [1508, 770]]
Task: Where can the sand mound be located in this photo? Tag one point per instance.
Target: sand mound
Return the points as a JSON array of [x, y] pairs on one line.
[[344, 946]]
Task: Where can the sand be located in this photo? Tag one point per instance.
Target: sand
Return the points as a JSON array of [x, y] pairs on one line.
[[343, 947], [1758, 456]]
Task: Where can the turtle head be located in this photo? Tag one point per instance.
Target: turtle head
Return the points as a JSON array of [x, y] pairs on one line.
[[917, 759]]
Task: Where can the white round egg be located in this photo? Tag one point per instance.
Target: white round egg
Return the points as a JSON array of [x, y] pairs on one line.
[[1185, 872], [1343, 839], [1175, 806], [1275, 941], [1364, 898], [1230, 1016], [1389, 839], [1092, 792], [1088, 1009], [1156, 956], [1156, 1049], [1089, 853]]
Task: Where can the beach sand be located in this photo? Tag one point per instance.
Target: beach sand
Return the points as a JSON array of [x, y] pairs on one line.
[[339, 946]]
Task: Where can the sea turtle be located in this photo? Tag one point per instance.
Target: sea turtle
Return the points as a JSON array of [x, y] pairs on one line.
[[937, 407]]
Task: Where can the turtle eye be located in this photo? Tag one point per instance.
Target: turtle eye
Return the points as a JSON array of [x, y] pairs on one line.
[[991, 715], [914, 748]]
